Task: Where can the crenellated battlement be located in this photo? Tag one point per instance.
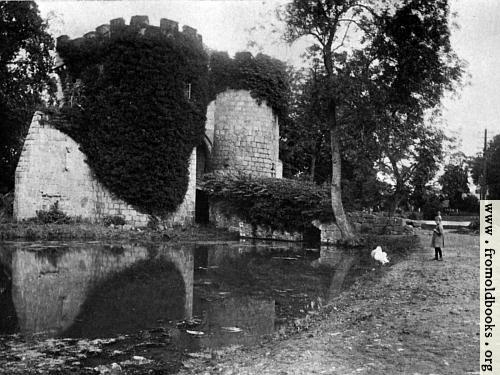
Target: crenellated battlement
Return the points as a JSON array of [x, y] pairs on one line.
[[138, 23]]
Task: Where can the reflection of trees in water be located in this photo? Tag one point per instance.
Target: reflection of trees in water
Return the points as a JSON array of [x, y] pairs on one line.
[[130, 300], [8, 316], [345, 265], [280, 271]]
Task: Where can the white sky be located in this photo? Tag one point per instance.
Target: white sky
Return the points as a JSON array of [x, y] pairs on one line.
[[223, 25]]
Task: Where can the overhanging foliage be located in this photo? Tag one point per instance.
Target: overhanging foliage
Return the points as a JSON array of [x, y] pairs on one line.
[[265, 77], [282, 204]]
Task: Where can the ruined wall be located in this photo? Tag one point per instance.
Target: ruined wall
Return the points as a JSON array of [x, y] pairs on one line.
[[53, 169], [245, 135], [234, 223], [365, 223], [329, 232]]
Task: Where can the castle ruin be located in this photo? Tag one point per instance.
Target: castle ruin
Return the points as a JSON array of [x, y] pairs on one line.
[[240, 136]]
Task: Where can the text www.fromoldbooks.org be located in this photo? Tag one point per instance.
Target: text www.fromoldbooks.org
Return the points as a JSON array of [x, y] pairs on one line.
[[489, 314]]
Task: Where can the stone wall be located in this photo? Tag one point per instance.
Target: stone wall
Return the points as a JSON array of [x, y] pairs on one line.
[[52, 169], [219, 215], [139, 24], [364, 222], [330, 232], [245, 135]]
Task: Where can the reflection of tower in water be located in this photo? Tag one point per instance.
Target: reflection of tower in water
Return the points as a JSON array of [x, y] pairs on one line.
[[53, 286]]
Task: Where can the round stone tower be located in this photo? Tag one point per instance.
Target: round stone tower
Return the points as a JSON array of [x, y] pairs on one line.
[[245, 135]]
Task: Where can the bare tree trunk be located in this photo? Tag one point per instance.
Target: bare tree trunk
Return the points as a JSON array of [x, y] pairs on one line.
[[336, 189], [399, 190], [396, 200]]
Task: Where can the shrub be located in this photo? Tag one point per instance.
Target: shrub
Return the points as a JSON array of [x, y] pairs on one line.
[[153, 223], [469, 204], [279, 203], [415, 215], [113, 220], [53, 216], [474, 224]]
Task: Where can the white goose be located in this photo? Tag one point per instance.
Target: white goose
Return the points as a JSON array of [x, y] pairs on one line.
[[379, 255]]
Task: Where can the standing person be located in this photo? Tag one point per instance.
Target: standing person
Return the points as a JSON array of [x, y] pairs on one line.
[[438, 239]]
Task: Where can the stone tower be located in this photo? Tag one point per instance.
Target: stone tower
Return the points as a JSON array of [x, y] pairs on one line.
[[244, 135]]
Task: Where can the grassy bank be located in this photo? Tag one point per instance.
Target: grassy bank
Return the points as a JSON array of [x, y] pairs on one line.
[[30, 231]]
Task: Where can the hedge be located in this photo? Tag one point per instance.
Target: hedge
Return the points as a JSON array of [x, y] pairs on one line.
[[281, 204]]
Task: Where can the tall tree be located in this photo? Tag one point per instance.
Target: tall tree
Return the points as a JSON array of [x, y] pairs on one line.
[[305, 148], [455, 184], [410, 159], [402, 58], [25, 65], [304, 135]]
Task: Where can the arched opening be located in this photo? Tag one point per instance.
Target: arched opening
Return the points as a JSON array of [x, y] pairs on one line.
[[203, 152]]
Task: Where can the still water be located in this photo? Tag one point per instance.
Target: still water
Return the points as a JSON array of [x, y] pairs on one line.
[[213, 294]]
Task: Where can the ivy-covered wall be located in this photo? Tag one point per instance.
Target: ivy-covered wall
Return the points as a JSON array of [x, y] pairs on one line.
[[53, 169], [136, 98]]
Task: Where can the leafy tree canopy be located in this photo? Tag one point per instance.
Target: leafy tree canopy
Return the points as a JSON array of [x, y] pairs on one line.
[[383, 84], [25, 65], [455, 184]]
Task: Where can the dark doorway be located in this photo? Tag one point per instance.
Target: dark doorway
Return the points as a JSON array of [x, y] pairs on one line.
[[201, 207], [312, 235]]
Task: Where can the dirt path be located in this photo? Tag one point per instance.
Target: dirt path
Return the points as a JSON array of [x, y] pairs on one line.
[[420, 317]]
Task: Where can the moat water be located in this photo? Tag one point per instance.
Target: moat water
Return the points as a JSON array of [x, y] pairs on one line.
[[201, 294]]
